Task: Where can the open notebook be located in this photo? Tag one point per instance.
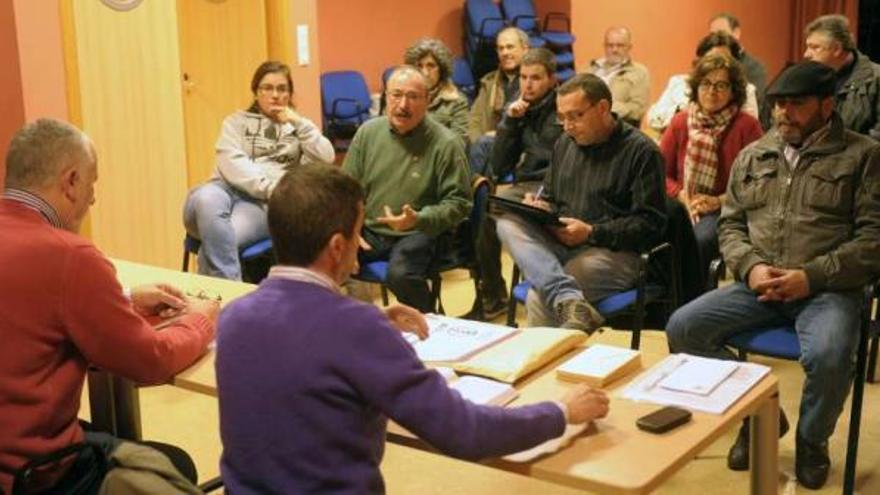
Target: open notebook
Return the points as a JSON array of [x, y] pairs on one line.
[[454, 339]]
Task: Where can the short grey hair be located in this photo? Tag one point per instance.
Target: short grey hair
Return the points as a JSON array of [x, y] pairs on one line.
[[836, 26], [435, 48], [407, 71], [40, 150], [522, 35]]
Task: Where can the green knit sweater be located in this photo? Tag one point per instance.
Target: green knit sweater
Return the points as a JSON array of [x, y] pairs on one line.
[[426, 168]]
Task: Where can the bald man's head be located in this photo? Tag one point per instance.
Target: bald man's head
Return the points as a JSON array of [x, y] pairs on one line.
[[618, 43]]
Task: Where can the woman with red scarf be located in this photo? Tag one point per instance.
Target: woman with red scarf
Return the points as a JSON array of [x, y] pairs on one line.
[[701, 143]]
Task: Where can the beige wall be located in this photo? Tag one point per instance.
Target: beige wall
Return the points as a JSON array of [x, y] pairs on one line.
[[283, 17], [130, 101]]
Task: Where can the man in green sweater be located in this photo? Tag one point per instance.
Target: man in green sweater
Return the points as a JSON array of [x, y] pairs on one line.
[[415, 174]]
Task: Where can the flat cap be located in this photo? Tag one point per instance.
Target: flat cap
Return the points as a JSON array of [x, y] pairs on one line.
[[806, 78]]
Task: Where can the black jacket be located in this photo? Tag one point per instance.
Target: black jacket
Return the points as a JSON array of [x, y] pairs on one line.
[[531, 136]]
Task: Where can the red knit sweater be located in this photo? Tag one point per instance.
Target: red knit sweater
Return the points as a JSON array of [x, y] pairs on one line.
[[743, 130], [62, 308]]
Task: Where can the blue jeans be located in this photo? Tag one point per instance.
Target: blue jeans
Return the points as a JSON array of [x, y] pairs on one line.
[[225, 220], [560, 273], [827, 326]]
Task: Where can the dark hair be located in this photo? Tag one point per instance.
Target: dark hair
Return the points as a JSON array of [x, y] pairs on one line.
[[309, 205], [719, 38], [540, 56], [836, 26], [731, 19], [709, 63], [594, 88], [270, 67], [436, 49], [39, 151]]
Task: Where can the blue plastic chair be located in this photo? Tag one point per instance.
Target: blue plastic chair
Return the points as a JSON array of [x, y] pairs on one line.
[[464, 78], [522, 14], [630, 305], [564, 74], [782, 343], [345, 104], [482, 22], [260, 248]]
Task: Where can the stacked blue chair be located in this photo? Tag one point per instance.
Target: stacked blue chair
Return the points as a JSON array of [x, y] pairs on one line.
[[522, 14], [464, 78], [482, 22], [345, 104]]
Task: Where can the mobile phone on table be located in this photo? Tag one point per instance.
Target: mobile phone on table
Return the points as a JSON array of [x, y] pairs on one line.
[[663, 420]]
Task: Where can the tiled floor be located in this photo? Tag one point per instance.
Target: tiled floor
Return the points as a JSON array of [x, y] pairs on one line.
[[190, 421]]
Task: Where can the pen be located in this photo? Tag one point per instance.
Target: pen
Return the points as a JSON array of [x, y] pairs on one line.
[[539, 193]]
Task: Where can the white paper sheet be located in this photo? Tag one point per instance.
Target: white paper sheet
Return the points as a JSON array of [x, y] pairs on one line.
[[646, 387]]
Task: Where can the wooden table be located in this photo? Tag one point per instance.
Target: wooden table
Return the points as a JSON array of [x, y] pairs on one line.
[[113, 401], [615, 457]]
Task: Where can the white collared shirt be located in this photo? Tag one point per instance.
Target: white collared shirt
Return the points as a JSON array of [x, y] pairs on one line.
[[302, 274]]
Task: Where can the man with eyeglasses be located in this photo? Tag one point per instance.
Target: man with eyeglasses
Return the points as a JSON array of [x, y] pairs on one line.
[[605, 182], [857, 90], [629, 81], [415, 174], [799, 229]]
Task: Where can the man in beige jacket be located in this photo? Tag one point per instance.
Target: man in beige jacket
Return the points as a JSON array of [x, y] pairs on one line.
[[628, 80]]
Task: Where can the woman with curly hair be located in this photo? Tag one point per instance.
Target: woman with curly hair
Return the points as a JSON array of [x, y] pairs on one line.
[[701, 143], [447, 105]]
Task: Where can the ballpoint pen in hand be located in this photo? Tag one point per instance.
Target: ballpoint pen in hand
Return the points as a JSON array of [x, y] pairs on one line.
[[538, 194]]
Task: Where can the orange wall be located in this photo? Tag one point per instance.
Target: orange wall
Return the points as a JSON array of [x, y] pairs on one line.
[[370, 36], [11, 103], [666, 33], [42, 59]]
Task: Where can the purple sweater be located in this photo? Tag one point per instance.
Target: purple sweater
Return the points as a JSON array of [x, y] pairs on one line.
[[307, 379]]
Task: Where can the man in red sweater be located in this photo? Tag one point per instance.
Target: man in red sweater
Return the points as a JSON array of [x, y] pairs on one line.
[[62, 309]]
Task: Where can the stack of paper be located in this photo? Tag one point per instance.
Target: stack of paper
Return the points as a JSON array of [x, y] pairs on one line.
[[454, 339], [696, 383], [484, 391], [600, 364], [699, 376]]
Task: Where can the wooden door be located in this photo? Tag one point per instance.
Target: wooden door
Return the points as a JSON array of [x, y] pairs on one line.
[[221, 44]]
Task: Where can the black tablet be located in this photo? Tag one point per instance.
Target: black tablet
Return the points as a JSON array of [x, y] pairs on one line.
[[530, 213]]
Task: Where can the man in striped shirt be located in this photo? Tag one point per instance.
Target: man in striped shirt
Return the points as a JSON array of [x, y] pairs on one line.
[[606, 184]]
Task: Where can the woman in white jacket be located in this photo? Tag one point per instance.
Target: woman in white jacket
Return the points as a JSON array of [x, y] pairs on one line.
[[256, 146]]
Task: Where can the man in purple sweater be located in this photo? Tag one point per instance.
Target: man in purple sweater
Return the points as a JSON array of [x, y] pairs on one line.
[[307, 377]]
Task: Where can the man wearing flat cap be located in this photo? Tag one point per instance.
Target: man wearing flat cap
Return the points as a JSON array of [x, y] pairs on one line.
[[800, 230]]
